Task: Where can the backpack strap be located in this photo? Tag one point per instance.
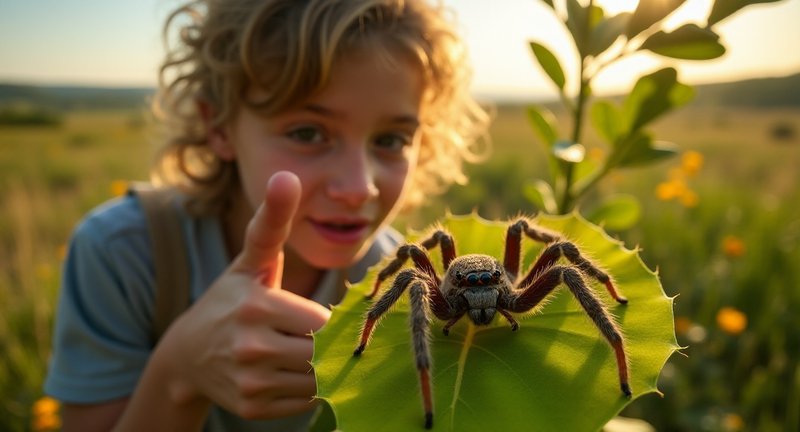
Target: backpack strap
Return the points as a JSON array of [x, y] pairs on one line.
[[170, 259]]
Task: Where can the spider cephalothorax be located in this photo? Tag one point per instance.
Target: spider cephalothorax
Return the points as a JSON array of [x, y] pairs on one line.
[[480, 287]]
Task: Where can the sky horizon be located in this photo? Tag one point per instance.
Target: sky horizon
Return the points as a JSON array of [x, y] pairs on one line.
[[118, 44]]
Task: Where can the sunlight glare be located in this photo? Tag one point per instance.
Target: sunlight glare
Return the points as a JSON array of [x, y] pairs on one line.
[[613, 7], [691, 11]]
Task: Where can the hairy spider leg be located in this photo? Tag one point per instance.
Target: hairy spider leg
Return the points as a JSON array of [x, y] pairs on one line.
[[553, 252], [525, 299], [440, 308], [512, 256], [404, 252], [452, 322], [446, 243], [420, 327], [420, 334]]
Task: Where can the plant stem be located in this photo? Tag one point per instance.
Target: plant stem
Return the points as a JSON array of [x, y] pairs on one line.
[[567, 199]]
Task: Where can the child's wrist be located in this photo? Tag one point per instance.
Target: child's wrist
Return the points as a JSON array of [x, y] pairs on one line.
[[170, 370]]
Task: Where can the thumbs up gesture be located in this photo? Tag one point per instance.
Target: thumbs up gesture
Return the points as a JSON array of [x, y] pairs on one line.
[[245, 344]]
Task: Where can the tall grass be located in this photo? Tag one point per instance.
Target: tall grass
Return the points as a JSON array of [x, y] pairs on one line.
[[49, 177], [730, 378]]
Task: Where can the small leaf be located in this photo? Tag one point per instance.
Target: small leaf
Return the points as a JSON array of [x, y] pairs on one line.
[[490, 378], [607, 120], [652, 96], [607, 32], [640, 150], [688, 42], [541, 194], [580, 23], [568, 151], [544, 123], [725, 8], [649, 12], [549, 63], [617, 212], [577, 24]]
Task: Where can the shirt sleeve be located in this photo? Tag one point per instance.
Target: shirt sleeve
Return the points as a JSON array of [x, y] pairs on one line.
[[101, 339]]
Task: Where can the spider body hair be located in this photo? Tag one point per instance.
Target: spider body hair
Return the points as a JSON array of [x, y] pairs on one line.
[[480, 287]]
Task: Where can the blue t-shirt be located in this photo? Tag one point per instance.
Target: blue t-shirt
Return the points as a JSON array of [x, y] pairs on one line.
[[102, 337]]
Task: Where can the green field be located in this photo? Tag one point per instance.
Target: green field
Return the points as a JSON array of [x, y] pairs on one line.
[[731, 256]]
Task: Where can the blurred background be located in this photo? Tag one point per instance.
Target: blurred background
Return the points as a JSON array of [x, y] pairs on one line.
[[721, 222]]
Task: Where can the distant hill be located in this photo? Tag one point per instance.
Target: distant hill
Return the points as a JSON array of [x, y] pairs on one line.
[[758, 93], [65, 98]]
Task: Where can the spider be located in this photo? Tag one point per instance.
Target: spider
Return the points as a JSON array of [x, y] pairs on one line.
[[480, 287]]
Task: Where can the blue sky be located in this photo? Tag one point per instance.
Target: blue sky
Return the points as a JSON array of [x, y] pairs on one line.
[[117, 43]]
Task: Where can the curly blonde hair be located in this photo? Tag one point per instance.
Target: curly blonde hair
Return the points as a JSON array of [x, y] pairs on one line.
[[218, 50]]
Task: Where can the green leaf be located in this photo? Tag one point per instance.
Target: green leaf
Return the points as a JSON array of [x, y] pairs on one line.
[[617, 212], [490, 378], [580, 22], [725, 8], [652, 96], [688, 42], [607, 32], [541, 194], [649, 12], [607, 120], [549, 63], [639, 149], [544, 123]]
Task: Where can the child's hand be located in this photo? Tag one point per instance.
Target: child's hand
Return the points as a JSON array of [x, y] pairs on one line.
[[245, 344]]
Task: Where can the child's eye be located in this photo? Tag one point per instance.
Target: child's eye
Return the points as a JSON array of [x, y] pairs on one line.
[[306, 134], [394, 142]]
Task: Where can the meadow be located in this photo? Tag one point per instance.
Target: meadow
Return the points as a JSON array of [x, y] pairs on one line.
[[721, 224]]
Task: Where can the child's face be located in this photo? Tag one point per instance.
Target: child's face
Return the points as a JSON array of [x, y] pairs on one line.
[[353, 146]]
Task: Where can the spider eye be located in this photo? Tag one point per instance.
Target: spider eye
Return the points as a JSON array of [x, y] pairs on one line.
[[473, 279], [459, 276], [486, 278], [496, 274]]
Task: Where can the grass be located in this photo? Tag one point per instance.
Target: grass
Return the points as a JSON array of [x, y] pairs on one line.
[[736, 251], [49, 177]]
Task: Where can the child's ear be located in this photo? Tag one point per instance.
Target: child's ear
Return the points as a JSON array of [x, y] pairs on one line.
[[217, 135]]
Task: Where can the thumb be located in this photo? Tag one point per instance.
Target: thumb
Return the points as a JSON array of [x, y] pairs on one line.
[[269, 228]]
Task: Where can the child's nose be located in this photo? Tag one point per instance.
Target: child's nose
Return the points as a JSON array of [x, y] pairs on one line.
[[352, 179]]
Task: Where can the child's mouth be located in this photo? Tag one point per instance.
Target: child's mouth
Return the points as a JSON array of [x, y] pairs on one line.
[[341, 232]]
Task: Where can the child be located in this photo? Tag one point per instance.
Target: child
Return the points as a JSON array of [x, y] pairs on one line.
[[298, 129]]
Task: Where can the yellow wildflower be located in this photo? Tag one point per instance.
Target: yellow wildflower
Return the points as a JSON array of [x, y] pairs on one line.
[[119, 187], [670, 190], [46, 414], [731, 321], [733, 246], [47, 422], [691, 163], [733, 422]]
